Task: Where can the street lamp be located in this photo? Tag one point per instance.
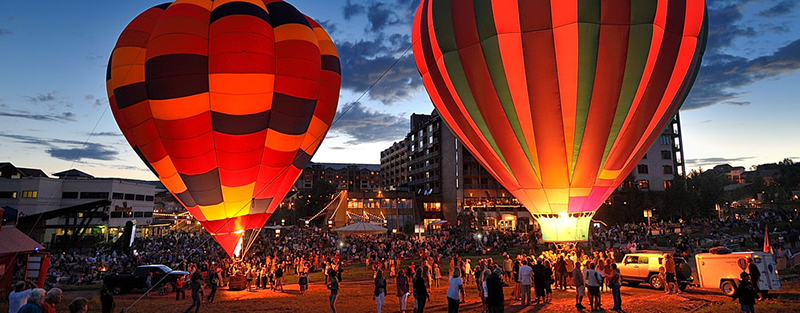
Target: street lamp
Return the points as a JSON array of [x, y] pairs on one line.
[[283, 221], [648, 213]]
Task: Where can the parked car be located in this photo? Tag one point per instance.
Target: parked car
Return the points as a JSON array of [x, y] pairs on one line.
[[643, 266], [164, 278], [721, 270]]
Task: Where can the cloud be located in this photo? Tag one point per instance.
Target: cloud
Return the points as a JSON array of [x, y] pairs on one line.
[[328, 26], [100, 102], [65, 116], [363, 63], [365, 125], [94, 56], [724, 29], [739, 103], [5, 32], [711, 162], [349, 10], [779, 9], [50, 96], [723, 75], [379, 16], [68, 150], [107, 134]]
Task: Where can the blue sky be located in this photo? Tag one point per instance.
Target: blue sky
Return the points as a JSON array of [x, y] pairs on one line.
[[743, 110]]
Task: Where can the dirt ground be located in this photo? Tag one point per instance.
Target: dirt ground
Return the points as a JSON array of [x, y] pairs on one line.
[[356, 296]]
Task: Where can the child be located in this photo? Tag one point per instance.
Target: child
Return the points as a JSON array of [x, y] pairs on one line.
[[436, 274], [746, 294]]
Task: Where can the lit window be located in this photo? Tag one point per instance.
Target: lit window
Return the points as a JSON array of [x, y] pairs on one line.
[[644, 184], [30, 194]]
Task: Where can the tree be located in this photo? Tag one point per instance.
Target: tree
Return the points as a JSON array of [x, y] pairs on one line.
[[312, 201]]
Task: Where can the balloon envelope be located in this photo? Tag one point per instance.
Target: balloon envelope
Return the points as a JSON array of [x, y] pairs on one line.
[[226, 102], [559, 99]]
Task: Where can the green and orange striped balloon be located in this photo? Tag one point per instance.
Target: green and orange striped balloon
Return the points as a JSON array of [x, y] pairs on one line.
[[226, 102], [559, 99]]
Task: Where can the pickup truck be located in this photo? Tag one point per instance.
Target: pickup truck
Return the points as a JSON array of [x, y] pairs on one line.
[[122, 283]]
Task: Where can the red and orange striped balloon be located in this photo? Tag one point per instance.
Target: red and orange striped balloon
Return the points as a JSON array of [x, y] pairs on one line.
[[559, 99], [226, 102]]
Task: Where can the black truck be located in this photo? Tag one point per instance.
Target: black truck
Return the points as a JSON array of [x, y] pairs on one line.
[[121, 283]]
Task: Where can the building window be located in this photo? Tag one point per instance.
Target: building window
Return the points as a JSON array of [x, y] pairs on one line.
[[667, 169], [148, 198], [667, 184], [642, 169], [430, 139], [430, 128], [432, 206], [139, 197], [138, 214], [8, 194], [664, 140], [30, 194], [94, 195], [116, 214], [666, 155], [129, 196], [644, 184], [69, 195], [413, 147], [117, 196]]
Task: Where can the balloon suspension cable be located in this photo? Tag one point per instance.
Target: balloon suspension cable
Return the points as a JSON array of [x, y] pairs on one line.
[[251, 241], [314, 142]]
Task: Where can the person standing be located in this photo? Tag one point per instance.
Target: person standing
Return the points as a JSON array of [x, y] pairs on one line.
[[669, 266], [454, 291], [593, 282], [18, 297], [334, 287], [402, 289], [746, 294], [525, 277], [51, 300], [179, 288], [515, 275], [539, 281], [494, 291], [213, 281], [303, 282], [35, 302], [107, 303], [615, 283], [197, 290], [755, 275], [579, 281], [279, 278], [149, 283], [508, 267], [379, 294], [561, 273], [420, 291]]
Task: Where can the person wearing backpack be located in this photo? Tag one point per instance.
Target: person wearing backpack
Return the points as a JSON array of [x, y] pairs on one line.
[[746, 294], [593, 282]]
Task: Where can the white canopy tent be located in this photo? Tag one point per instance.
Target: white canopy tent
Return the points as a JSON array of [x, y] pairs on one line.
[[361, 229]]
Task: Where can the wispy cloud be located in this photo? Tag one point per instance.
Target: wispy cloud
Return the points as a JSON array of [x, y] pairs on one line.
[[365, 125], [723, 76], [96, 101], [50, 96], [63, 117], [711, 162], [779, 9], [5, 32], [107, 134], [68, 150]]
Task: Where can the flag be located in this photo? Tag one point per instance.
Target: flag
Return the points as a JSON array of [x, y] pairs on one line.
[[767, 247]]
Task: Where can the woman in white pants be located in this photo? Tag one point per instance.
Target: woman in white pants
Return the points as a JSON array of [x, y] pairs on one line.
[[402, 289]]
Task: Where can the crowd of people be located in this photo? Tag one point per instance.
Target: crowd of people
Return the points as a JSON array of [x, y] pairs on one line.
[[433, 259]]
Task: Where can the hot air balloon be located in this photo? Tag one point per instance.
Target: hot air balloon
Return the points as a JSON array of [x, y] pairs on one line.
[[226, 102], [559, 99]]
